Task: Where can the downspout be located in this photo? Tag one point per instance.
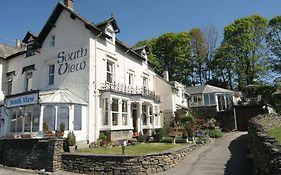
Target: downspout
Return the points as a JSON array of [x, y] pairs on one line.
[[96, 90]]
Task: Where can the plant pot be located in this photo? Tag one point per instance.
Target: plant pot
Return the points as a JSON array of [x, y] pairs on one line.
[[72, 148]]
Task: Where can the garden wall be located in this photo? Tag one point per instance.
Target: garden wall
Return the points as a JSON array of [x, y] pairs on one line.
[[32, 153], [123, 164], [265, 150]]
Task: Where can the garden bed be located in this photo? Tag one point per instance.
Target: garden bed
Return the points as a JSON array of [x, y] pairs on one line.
[[140, 149]]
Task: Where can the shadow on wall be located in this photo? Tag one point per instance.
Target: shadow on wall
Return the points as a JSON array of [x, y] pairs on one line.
[[238, 162]]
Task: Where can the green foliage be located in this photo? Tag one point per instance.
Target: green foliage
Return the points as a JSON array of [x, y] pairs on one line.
[[273, 39], [102, 137], [158, 134], [242, 53], [199, 56], [171, 52], [142, 138], [276, 133], [214, 133], [45, 127], [62, 127], [188, 122], [71, 138]]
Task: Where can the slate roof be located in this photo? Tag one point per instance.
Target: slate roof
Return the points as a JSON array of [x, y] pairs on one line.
[[102, 25], [205, 89], [6, 50]]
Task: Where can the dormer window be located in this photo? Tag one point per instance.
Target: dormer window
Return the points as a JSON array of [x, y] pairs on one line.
[[111, 33]]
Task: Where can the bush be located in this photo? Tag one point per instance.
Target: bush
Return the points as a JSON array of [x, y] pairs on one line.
[[71, 138], [62, 127], [142, 138], [214, 133], [158, 134], [45, 127]]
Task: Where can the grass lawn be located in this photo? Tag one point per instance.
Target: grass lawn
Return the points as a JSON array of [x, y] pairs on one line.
[[276, 133], [140, 149]]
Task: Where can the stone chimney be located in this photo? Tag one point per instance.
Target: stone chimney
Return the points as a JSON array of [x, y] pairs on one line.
[[18, 44], [166, 75], [69, 4]]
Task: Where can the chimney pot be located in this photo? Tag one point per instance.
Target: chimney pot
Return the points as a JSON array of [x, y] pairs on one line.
[[69, 4], [166, 75]]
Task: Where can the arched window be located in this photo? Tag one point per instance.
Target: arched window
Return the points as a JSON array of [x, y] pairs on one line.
[[50, 117], [63, 117]]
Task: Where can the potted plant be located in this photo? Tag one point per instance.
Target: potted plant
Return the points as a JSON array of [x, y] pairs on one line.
[[71, 140], [59, 134], [47, 133]]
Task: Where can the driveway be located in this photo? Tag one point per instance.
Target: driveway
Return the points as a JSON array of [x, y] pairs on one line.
[[223, 156]]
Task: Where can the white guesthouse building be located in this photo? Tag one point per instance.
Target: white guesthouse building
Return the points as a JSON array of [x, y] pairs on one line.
[[78, 73]]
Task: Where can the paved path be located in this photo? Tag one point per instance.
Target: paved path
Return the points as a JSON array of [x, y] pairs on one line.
[[223, 156]]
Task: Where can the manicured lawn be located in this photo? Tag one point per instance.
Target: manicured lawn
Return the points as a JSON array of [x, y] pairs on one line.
[[276, 133], [140, 149]]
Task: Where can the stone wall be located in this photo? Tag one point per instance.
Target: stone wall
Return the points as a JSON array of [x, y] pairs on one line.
[[265, 150], [32, 153], [123, 164]]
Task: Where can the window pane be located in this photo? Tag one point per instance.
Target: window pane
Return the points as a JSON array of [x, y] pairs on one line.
[[212, 99], [77, 117], [206, 99], [51, 69], [63, 117], [36, 116], [19, 123], [124, 119], [27, 118], [114, 119], [114, 106], [49, 117], [13, 120], [124, 106], [105, 112], [144, 119]]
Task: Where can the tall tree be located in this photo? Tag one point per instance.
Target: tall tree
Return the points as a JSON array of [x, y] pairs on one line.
[[199, 54], [171, 52], [273, 39], [211, 39], [245, 39]]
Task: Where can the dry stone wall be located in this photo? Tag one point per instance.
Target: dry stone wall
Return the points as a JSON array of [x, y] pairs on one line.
[[122, 164], [265, 150]]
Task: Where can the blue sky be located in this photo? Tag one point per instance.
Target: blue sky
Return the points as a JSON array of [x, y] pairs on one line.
[[138, 19]]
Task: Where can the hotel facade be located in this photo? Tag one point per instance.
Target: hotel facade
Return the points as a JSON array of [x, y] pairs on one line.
[[78, 73]]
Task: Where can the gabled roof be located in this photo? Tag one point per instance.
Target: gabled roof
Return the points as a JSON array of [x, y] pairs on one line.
[[112, 20], [89, 25], [6, 50], [28, 35], [205, 89]]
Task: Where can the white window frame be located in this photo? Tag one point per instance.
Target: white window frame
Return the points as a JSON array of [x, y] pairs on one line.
[[111, 72], [28, 80], [131, 75], [51, 74], [10, 78]]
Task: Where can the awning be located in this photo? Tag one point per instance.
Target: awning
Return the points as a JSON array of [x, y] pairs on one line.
[[60, 96]]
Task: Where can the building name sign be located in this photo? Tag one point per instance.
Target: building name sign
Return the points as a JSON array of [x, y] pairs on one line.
[[22, 100], [65, 61]]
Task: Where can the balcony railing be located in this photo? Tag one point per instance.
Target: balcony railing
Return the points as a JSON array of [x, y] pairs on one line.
[[121, 88]]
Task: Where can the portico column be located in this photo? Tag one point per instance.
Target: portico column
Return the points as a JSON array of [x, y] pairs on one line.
[[140, 118], [148, 115]]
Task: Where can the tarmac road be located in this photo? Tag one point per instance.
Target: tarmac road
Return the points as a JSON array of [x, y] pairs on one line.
[[223, 156]]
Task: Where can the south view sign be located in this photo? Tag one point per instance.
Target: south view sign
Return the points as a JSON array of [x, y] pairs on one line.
[[65, 61]]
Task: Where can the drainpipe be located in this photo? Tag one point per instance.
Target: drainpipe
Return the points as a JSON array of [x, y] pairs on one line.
[[96, 90]]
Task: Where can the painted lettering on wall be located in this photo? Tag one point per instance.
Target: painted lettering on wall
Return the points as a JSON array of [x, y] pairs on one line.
[[65, 61]]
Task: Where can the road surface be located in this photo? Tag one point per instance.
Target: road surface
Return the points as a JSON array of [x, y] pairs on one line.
[[223, 156]]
